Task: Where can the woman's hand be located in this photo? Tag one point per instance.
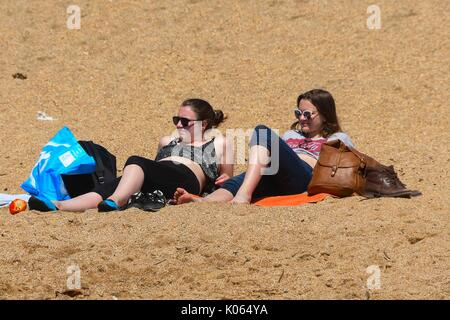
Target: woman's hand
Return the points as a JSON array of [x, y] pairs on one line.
[[221, 179]]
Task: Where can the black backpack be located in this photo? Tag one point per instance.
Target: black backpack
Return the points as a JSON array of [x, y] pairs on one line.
[[105, 171]]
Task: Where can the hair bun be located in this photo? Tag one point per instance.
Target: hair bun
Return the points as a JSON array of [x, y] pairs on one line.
[[218, 117]]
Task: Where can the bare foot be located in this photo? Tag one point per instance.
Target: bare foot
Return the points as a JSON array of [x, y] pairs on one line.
[[242, 199], [182, 196]]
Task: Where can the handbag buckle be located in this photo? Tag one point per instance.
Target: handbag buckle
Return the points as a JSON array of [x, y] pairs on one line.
[[333, 170]]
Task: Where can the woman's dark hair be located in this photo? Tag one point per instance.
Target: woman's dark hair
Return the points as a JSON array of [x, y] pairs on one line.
[[205, 111], [324, 102]]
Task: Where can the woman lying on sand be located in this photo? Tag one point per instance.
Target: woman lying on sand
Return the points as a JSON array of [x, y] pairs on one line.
[[298, 152], [189, 161]]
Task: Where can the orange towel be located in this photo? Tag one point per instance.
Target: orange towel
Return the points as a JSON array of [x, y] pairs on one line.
[[288, 201], [291, 200]]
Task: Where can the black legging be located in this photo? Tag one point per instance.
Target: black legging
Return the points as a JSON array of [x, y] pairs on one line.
[[166, 176]]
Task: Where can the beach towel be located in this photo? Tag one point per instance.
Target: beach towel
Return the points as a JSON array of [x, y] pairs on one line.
[[290, 200]]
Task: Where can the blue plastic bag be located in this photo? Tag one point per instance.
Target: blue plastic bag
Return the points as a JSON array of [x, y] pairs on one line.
[[61, 155]]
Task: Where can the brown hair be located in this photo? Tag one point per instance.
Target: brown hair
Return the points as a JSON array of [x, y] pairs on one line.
[[324, 102], [205, 111]]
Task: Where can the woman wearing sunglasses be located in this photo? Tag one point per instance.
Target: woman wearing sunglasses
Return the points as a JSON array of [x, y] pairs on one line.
[[187, 159], [297, 153]]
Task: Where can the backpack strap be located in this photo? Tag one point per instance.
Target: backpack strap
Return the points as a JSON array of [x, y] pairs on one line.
[[99, 168]]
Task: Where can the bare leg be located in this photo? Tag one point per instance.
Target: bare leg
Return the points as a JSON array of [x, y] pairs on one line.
[[221, 195], [131, 182], [81, 203], [258, 159]]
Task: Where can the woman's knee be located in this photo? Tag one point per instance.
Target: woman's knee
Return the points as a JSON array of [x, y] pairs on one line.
[[135, 160], [262, 127], [262, 136]]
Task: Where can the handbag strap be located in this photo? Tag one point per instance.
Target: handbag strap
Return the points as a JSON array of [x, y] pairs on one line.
[[342, 148], [361, 157], [336, 166]]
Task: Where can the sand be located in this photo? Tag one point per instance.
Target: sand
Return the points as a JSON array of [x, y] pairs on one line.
[[118, 80]]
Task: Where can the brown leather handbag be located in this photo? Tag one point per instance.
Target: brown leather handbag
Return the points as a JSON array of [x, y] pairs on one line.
[[340, 171]]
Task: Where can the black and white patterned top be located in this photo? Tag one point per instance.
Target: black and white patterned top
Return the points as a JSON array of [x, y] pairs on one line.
[[204, 155]]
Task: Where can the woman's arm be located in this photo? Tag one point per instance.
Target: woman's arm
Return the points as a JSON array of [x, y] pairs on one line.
[[164, 141], [308, 159], [225, 149]]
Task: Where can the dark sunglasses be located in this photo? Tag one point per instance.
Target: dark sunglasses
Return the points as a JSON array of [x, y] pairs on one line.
[[307, 114], [184, 121]]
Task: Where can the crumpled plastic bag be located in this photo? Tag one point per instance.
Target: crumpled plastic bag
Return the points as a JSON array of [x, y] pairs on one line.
[[61, 155]]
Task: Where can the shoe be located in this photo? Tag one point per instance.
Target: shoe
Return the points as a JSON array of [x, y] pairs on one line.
[[107, 205], [136, 201], [41, 204], [382, 181], [153, 201]]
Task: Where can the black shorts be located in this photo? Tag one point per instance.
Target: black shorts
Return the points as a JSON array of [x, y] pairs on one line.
[[166, 176]]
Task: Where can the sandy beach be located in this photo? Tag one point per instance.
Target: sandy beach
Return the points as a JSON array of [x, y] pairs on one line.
[[119, 79]]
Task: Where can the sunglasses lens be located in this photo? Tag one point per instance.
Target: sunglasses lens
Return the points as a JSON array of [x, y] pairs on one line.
[[184, 121], [307, 114]]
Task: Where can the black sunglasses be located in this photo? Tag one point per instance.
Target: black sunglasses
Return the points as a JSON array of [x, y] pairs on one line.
[[307, 114], [184, 121]]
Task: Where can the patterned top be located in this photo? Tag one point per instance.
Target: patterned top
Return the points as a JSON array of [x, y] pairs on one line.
[[204, 155], [303, 145]]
